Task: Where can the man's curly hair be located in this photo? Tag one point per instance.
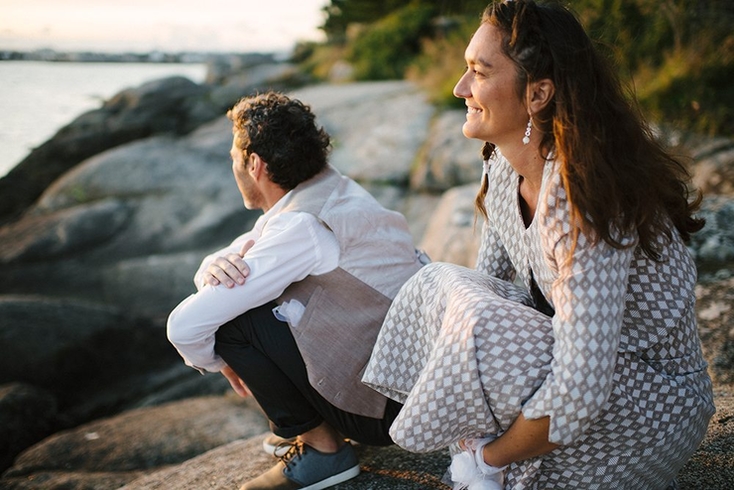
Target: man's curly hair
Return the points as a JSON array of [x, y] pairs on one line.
[[283, 132]]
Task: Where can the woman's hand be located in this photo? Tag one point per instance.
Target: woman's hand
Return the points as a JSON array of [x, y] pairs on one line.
[[230, 269]]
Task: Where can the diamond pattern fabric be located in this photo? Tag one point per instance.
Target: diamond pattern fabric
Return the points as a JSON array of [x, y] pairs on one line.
[[618, 368]]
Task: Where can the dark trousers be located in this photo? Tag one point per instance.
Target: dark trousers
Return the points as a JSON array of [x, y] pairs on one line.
[[262, 351]]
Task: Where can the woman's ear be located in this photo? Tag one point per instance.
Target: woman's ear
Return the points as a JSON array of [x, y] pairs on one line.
[[540, 94]]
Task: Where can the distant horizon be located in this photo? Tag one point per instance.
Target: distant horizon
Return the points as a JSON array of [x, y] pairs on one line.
[[137, 53], [55, 55]]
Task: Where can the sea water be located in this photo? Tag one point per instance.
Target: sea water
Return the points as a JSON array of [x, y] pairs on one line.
[[38, 98]]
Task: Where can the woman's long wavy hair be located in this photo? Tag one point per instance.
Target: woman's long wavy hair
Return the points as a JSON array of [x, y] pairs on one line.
[[618, 179]]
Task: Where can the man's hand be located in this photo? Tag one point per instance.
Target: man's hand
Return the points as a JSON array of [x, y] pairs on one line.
[[230, 269], [236, 382]]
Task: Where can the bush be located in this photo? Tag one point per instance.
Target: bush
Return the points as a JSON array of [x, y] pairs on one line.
[[320, 60], [689, 92], [678, 54], [385, 49], [441, 62]]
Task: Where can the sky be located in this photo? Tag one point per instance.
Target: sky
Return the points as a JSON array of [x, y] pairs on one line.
[[159, 25]]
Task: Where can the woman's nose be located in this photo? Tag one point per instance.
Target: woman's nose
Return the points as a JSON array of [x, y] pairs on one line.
[[461, 88]]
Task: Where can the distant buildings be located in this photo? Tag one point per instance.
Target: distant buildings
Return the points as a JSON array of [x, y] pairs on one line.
[[88, 56]]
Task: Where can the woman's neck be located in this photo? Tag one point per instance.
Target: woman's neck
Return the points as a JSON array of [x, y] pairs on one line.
[[527, 162]]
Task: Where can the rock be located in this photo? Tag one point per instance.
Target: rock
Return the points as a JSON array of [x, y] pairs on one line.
[[153, 199], [40, 334], [138, 440], [418, 209], [713, 247], [447, 159], [453, 233], [181, 190], [63, 233], [27, 415], [71, 480], [169, 380], [162, 282], [713, 167], [376, 127], [175, 383], [220, 69], [73, 348], [159, 106], [715, 312], [280, 76]]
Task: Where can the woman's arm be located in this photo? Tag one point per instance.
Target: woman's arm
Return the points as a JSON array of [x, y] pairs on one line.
[[523, 440], [492, 258]]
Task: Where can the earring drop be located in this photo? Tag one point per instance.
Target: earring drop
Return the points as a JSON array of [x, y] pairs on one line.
[[526, 138]]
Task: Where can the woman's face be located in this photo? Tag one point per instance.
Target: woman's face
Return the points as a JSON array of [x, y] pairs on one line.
[[495, 112]]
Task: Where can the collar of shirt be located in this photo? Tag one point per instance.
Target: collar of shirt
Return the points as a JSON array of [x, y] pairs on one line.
[[263, 220]]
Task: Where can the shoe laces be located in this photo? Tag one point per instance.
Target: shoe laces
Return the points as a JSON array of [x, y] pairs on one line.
[[294, 453]]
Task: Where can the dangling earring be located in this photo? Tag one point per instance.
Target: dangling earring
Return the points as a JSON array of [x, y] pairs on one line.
[[526, 138]]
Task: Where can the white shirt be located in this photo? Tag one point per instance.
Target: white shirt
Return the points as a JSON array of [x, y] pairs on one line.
[[288, 247]]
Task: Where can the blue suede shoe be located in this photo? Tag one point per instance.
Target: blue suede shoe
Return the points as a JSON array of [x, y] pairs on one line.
[[305, 468]]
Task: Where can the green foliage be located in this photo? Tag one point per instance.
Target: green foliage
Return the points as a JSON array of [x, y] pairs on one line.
[[678, 54], [689, 92], [303, 51], [319, 61], [341, 13], [441, 62], [385, 49]]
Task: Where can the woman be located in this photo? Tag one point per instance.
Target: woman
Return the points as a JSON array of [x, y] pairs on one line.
[[570, 357]]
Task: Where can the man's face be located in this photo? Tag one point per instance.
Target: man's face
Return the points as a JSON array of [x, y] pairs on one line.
[[247, 186]]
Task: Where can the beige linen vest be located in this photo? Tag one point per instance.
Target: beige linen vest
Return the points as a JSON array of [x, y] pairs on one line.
[[345, 308]]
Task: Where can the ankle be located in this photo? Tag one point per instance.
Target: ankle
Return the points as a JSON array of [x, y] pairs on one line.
[[322, 444], [323, 439]]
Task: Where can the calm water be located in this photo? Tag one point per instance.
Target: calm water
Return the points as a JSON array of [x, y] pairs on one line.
[[38, 98]]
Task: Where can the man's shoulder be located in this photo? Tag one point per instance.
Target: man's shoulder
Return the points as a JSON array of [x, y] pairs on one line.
[[290, 219]]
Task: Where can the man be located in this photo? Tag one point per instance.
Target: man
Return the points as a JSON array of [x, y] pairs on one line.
[[291, 309]]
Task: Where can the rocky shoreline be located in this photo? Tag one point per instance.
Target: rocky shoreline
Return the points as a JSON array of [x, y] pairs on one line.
[[102, 227]]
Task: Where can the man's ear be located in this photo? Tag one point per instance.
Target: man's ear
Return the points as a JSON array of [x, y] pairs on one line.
[[540, 93], [255, 165]]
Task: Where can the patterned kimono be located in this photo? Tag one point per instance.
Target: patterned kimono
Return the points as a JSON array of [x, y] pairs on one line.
[[617, 366]]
